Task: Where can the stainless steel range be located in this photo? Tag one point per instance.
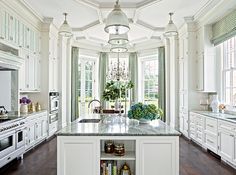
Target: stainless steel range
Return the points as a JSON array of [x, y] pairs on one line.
[[12, 139]]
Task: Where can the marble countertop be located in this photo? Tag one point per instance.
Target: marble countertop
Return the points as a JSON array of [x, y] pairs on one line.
[[15, 116], [225, 117], [155, 128]]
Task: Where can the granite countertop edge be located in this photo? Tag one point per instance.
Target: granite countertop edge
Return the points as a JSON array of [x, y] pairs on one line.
[[219, 116]]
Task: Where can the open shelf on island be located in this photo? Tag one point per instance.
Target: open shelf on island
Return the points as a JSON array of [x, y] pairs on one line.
[[129, 155]]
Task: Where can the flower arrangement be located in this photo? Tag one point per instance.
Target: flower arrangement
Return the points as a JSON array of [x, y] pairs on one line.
[[143, 111], [25, 100]]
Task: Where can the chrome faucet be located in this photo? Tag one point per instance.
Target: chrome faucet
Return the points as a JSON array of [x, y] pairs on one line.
[[94, 101]]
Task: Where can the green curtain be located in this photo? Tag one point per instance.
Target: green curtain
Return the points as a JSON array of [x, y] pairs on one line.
[[161, 80], [74, 83], [133, 68], [103, 64], [224, 29]]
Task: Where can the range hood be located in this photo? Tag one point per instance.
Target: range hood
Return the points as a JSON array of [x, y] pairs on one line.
[[9, 59]]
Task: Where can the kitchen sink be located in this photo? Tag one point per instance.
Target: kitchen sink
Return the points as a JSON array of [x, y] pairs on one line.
[[90, 121]]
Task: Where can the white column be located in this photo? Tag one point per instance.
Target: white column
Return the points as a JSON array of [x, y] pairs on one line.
[[63, 80], [172, 81]]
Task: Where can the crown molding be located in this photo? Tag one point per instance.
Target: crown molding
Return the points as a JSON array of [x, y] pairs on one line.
[[86, 27], [149, 27]]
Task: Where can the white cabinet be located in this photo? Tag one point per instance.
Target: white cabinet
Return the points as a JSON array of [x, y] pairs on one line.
[[53, 64], [30, 135], [37, 129], [226, 139], [211, 134], [78, 155], [157, 155], [197, 127], [29, 73], [205, 61], [150, 153], [226, 145]]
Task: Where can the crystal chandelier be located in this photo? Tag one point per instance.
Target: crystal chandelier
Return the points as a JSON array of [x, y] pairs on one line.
[[118, 71]]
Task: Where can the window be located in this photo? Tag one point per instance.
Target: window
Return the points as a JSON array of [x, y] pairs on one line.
[[150, 80], [228, 50], [86, 83], [124, 65]]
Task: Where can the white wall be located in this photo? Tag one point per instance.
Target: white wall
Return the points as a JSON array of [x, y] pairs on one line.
[[5, 89]]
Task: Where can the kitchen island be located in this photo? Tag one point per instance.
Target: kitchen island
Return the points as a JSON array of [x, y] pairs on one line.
[[150, 149]]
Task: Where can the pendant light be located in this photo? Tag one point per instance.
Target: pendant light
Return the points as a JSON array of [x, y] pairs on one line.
[[65, 30], [171, 29], [118, 39], [117, 22], [119, 48]]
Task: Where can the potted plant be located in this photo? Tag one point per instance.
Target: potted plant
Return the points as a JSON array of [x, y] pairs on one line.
[[115, 90], [145, 113]]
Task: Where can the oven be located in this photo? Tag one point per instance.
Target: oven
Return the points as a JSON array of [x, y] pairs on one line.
[[20, 138], [7, 143], [53, 102]]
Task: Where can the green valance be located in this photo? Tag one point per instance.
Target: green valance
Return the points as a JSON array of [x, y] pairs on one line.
[[224, 29]]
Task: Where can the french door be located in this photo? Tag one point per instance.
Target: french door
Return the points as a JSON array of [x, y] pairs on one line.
[[86, 84]]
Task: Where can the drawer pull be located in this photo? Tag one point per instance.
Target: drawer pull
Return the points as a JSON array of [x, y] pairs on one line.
[[211, 126], [225, 127], [210, 141]]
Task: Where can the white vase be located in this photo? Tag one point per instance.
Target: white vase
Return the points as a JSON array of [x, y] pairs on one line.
[[24, 108], [215, 104]]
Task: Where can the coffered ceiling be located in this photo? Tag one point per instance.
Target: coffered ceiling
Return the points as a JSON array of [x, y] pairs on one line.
[[147, 17]]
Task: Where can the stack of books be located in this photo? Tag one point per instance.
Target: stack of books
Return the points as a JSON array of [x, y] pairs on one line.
[[109, 168]]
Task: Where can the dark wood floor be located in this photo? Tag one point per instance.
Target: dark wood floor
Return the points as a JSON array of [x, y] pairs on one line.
[[42, 161]]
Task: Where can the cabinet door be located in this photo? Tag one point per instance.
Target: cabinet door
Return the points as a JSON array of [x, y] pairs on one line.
[[44, 127], [5, 27], [26, 37], [37, 73], [78, 155], [22, 77], [29, 72], [38, 130], [158, 156], [200, 73], [51, 74], [181, 123], [226, 145], [55, 74], [31, 134]]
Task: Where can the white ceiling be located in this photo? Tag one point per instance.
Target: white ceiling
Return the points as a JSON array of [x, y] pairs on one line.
[[147, 17]]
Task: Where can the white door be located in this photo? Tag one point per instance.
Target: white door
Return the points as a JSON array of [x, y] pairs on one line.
[[87, 84], [226, 145], [78, 156], [44, 127], [158, 157]]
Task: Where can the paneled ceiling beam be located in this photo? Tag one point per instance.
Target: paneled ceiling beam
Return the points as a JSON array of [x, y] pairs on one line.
[[89, 26], [149, 27]]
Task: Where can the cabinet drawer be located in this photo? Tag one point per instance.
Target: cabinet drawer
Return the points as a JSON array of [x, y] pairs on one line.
[[211, 125], [226, 126], [211, 142]]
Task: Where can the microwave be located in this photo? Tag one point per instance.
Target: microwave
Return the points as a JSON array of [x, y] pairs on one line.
[[53, 102]]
